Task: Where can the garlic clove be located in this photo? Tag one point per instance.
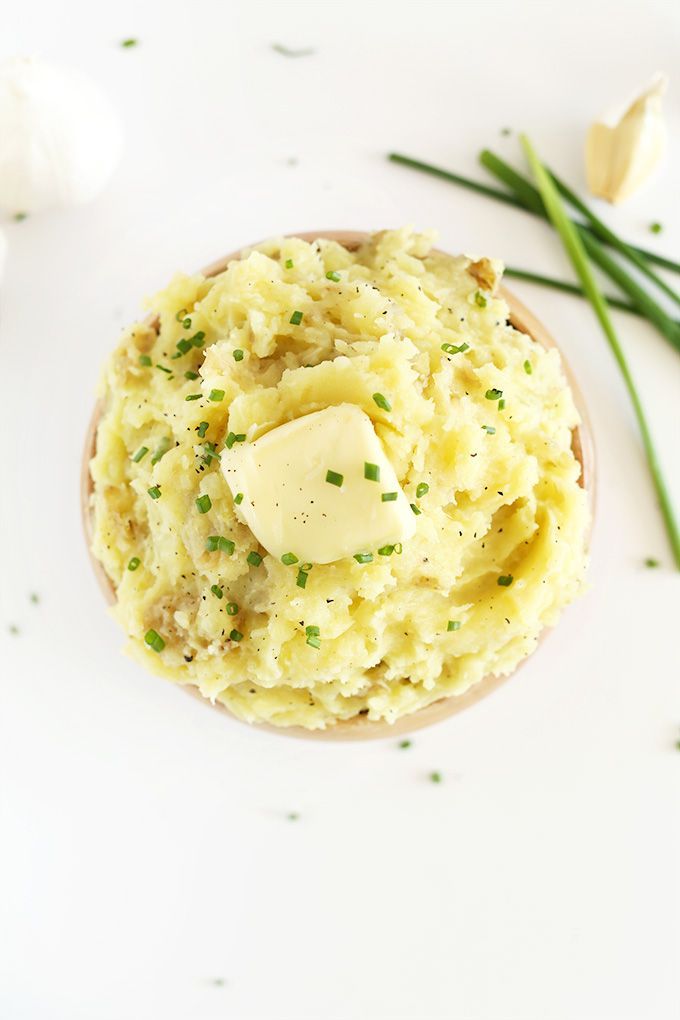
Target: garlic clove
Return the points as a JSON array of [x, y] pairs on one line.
[[624, 147], [61, 138]]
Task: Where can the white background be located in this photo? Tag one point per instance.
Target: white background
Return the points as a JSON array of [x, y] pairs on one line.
[[147, 865]]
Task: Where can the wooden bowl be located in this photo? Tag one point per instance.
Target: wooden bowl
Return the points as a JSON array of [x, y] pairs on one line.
[[360, 728]]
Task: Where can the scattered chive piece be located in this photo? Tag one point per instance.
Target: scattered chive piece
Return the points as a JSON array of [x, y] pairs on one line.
[[232, 608], [128, 43], [164, 369], [179, 317], [254, 559], [505, 580], [214, 543], [333, 478], [314, 631], [453, 349], [186, 323], [398, 548], [210, 453], [19, 217], [655, 228], [289, 263], [315, 642], [527, 367], [183, 345], [453, 625], [286, 51], [490, 429], [296, 318], [216, 396], [382, 402], [288, 559], [234, 437], [493, 394], [203, 428], [145, 360], [141, 452], [194, 396], [313, 636], [332, 275], [306, 566], [480, 299], [161, 449], [422, 489], [239, 354], [363, 557], [34, 598], [154, 640], [204, 503], [301, 580], [371, 471], [191, 375], [389, 497], [13, 629], [154, 492], [501, 404], [386, 550], [238, 498], [216, 590], [435, 777], [197, 339], [134, 563], [403, 744], [236, 635], [416, 509], [651, 562]]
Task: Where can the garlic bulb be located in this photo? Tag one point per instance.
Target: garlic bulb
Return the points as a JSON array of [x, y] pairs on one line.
[[623, 147], [60, 138]]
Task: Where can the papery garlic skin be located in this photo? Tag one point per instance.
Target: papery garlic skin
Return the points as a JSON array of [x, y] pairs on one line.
[[60, 137], [623, 149]]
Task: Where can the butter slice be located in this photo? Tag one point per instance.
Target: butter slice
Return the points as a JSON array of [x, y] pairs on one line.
[[289, 505]]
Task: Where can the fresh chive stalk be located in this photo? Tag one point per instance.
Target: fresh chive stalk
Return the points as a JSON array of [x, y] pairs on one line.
[[576, 251]]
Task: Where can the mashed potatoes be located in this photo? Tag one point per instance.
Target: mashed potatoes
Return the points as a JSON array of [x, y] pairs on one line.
[[478, 432]]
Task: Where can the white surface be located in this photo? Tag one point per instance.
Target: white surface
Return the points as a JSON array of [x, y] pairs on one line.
[[144, 845]]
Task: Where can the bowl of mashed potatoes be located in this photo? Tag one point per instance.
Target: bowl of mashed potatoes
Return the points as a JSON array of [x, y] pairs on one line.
[[338, 484]]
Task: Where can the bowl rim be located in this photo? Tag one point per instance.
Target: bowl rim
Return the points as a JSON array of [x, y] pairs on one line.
[[358, 727]]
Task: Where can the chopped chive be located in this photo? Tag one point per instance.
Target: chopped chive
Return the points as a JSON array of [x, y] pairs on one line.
[[655, 228], [493, 394], [371, 471], [254, 559], [210, 453], [296, 318], [128, 43], [238, 354], [528, 367], [289, 263], [234, 437], [453, 349], [214, 543], [480, 299], [389, 497], [416, 509], [161, 449], [403, 744], [168, 371], [314, 642], [422, 489], [34, 598], [145, 360], [501, 404], [398, 548], [386, 550], [436, 777], [194, 396], [203, 428], [453, 625], [186, 323], [505, 580], [238, 498], [232, 608], [288, 559], [490, 429], [184, 345], [134, 563], [141, 452], [332, 275], [216, 396], [236, 635], [179, 317], [650, 562], [19, 217], [333, 478], [204, 503], [191, 375], [363, 557], [312, 631], [197, 339], [154, 492], [154, 640], [382, 401], [301, 580], [306, 567], [216, 590]]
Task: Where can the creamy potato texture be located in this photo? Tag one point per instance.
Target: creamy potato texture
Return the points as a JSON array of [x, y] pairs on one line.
[[478, 432]]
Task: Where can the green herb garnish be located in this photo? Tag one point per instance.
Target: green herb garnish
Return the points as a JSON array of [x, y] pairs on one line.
[[422, 489], [161, 449], [480, 299], [141, 452], [501, 404], [254, 559], [436, 777], [198, 338], [216, 590], [154, 640], [203, 428], [363, 557], [232, 608], [191, 375], [655, 228], [168, 371], [234, 437], [453, 625], [239, 354], [236, 635], [238, 498], [505, 580], [301, 579], [382, 402], [154, 492], [134, 563], [288, 559], [403, 744], [296, 318], [371, 471], [129, 43], [216, 396], [19, 217], [416, 509], [289, 263], [218, 543], [332, 275], [386, 550], [528, 367], [204, 503], [490, 429], [493, 394], [194, 396], [453, 349], [652, 563], [389, 497], [145, 360], [333, 478]]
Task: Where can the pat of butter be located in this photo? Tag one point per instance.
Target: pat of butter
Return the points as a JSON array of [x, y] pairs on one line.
[[291, 507]]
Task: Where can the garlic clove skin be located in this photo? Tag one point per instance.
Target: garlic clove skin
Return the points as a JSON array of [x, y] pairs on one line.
[[61, 138], [623, 148]]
